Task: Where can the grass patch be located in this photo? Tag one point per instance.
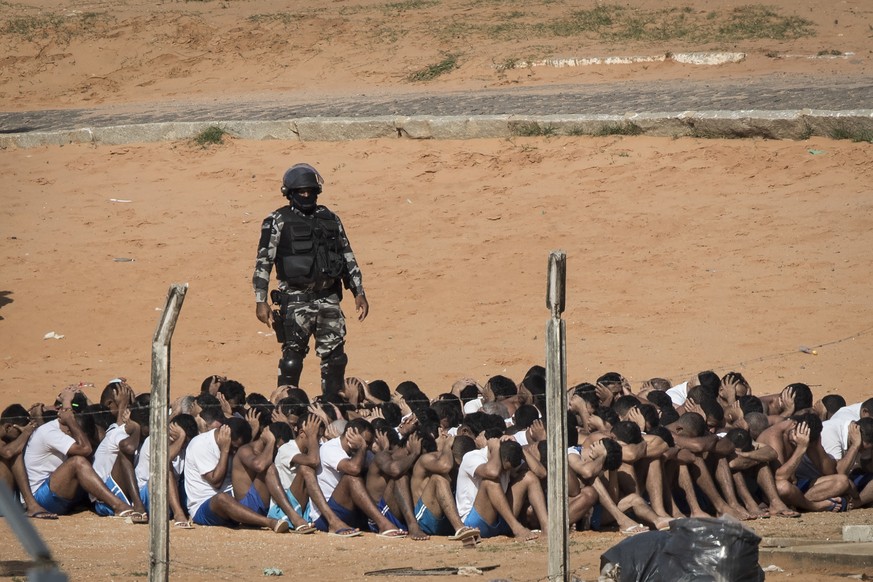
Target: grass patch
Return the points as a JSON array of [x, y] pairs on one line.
[[431, 72], [285, 18], [615, 23], [409, 5], [56, 26], [212, 135], [852, 133], [531, 129], [626, 128], [753, 21]]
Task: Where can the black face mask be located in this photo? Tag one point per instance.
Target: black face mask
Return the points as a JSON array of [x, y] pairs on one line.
[[305, 205]]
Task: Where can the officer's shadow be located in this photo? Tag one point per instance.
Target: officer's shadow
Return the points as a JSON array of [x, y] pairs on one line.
[[5, 299]]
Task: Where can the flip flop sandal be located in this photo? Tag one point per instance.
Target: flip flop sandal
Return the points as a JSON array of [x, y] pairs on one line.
[[281, 526], [47, 515], [464, 533], [305, 528], [183, 525], [346, 532], [392, 533]]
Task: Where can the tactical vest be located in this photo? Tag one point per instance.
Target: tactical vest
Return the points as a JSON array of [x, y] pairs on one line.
[[309, 254]]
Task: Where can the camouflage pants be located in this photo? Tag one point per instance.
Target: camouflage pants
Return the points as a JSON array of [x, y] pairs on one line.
[[322, 318]]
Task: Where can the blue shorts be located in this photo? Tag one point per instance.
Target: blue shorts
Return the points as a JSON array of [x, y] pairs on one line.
[[55, 503], [805, 484], [383, 508], [253, 501], [104, 510], [205, 516], [860, 479], [352, 517], [487, 530], [429, 523], [596, 517], [276, 512]]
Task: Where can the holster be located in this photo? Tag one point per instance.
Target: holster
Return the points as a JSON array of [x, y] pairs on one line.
[[278, 315]]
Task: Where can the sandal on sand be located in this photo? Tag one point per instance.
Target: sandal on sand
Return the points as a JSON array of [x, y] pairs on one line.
[[465, 533], [183, 525], [634, 530], [345, 532], [392, 533], [43, 515], [304, 528], [838, 504], [281, 526], [133, 516], [786, 513]]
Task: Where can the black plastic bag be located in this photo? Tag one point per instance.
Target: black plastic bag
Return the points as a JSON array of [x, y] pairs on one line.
[[694, 550]]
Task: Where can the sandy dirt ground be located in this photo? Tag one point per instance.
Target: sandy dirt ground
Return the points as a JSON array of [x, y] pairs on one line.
[[683, 254]]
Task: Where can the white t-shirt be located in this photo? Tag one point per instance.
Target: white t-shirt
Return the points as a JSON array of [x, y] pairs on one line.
[[107, 450], [835, 430], [202, 457], [473, 405], [678, 393], [468, 482], [46, 451], [521, 437], [332, 453], [287, 470], [143, 463]]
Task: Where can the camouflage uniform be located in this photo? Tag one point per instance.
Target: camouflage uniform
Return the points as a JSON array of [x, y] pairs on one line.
[[308, 308]]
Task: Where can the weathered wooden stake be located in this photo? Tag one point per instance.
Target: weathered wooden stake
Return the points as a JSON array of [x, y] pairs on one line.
[[556, 405], [159, 545]]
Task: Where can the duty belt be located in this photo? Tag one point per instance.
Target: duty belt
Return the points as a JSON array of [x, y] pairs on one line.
[[294, 297]]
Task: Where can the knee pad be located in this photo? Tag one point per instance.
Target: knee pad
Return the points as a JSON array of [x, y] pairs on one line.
[[290, 367]]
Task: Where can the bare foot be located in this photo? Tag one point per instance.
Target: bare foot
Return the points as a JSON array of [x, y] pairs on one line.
[[525, 535]]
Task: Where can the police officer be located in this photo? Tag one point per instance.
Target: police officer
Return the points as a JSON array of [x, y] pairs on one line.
[[308, 246]]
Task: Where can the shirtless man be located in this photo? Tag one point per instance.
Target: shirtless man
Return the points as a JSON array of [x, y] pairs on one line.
[[435, 508]]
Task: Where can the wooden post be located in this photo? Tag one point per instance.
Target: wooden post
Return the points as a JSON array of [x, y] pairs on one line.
[[556, 406], [159, 539]]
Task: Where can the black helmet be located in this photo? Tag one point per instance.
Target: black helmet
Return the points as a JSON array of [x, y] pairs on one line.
[[301, 177]]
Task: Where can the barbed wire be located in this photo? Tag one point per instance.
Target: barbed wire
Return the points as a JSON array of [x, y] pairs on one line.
[[774, 356], [681, 374]]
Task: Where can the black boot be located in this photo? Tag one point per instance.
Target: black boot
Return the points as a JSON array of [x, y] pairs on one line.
[[333, 372]]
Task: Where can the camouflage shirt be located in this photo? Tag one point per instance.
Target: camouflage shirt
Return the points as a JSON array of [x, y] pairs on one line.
[[351, 276]]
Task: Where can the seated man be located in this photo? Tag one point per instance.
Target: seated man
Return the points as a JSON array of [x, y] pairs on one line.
[[621, 493], [753, 477], [113, 459], [16, 426], [208, 479], [484, 497], [180, 430], [387, 478], [587, 463], [57, 463], [340, 477], [704, 452], [430, 485], [251, 473], [292, 478], [812, 489], [857, 461]]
